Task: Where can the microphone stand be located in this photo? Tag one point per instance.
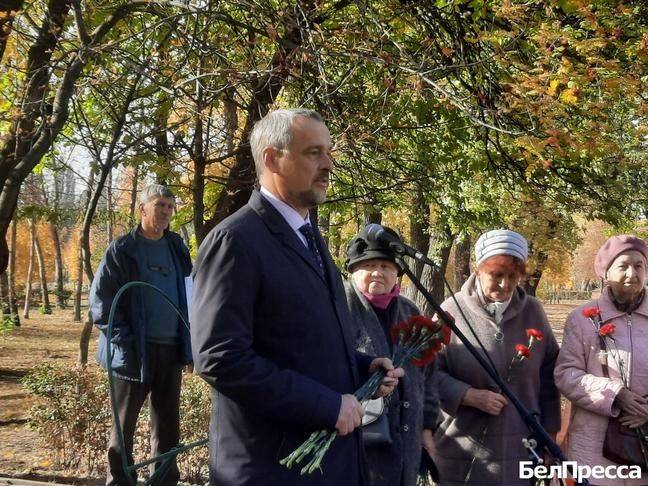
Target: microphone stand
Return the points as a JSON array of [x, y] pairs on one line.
[[538, 439]]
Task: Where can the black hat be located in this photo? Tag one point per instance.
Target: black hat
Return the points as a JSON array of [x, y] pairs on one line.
[[361, 249]]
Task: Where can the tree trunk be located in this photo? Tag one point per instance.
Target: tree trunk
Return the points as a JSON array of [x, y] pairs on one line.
[[24, 135], [109, 207], [79, 283], [42, 275], [79, 287], [433, 278], [84, 243], [133, 198], [334, 239], [12, 275], [532, 280], [372, 215], [4, 295], [242, 175], [419, 237], [84, 341], [462, 262], [30, 269], [58, 267], [198, 185]]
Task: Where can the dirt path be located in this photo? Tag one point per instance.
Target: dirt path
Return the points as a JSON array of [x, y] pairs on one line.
[[42, 338], [54, 339]]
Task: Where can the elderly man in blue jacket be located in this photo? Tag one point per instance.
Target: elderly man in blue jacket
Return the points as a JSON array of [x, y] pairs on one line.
[[270, 326], [151, 345]]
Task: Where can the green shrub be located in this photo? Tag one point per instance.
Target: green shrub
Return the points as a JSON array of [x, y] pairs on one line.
[[7, 324], [73, 416], [44, 309], [63, 297], [195, 411]]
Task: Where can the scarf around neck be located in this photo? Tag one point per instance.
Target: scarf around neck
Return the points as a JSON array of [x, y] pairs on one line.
[[628, 307], [494, 309], [382, 301]]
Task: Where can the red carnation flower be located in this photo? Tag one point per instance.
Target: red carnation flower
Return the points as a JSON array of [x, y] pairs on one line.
[[591, 312], [421, 322], [535, 334], [447, 334], [607, 329], [522, 351], [402, 328], [427, 356]]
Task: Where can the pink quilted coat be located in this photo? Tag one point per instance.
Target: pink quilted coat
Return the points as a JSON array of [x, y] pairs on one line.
[[579, 377]]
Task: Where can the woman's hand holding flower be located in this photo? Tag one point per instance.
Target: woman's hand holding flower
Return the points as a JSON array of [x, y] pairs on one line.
[[485, 400], [389, 382]]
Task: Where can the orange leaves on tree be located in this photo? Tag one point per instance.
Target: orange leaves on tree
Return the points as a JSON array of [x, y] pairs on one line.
[[272, 32], [447, 51]]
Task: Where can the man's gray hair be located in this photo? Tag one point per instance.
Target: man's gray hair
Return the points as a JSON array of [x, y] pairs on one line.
[[275, 130], [155, 191]]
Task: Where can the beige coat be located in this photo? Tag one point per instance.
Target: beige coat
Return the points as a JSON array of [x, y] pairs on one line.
[[495, 442], [579, 376]]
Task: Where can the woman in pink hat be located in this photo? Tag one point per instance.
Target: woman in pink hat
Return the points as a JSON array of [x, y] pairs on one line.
[[602, 367]]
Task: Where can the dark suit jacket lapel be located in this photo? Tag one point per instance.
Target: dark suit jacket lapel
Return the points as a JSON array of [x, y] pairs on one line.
[[339, 301], [280, 228]]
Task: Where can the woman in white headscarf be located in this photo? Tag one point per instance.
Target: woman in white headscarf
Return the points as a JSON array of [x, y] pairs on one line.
[[479, 440]]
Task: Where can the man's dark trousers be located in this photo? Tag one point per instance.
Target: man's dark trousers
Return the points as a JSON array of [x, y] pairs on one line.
[[164, 389]]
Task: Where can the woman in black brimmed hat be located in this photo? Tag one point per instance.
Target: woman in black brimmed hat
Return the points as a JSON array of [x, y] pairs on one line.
[[393, 443]]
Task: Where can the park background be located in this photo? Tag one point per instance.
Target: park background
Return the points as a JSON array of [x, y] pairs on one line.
[[449, 118]]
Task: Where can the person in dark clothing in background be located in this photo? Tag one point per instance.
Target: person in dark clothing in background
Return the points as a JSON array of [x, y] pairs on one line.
[[151, 345]]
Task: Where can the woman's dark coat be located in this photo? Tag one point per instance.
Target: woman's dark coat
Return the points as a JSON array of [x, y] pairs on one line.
[[413, 405]]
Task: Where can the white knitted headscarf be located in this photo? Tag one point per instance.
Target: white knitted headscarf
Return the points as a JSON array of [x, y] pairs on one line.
[[498, 242], [501, 242]]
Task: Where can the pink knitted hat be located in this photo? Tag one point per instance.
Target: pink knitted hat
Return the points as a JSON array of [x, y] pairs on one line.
[[613, 247]]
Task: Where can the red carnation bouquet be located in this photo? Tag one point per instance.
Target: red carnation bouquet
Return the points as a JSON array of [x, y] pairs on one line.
[[416, 340], [523, 351], [606, 338]]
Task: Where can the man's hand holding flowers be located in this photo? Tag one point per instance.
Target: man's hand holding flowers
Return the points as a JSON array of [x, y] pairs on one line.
[[417, 341], [349, 416]]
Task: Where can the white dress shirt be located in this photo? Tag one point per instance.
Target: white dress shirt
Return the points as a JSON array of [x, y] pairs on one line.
[[292, 217]]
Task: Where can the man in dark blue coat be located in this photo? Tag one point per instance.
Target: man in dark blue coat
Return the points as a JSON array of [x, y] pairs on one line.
[[270, 324], [150, 343]]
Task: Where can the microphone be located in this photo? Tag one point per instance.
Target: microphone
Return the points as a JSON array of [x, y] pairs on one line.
[[377, 234]]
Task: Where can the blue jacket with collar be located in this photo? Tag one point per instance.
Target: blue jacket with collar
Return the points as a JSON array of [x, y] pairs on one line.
[[121, 264]]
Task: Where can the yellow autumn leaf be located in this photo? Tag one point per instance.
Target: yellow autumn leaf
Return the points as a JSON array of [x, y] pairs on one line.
[[569, 96], [45, 463], [553, 87]]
